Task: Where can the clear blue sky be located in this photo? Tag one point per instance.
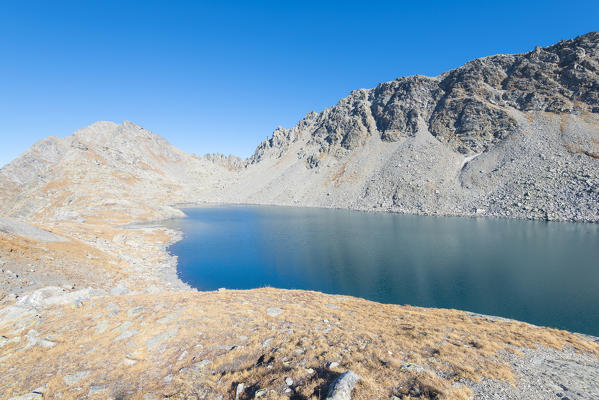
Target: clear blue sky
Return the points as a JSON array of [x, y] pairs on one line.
[[217, 76]]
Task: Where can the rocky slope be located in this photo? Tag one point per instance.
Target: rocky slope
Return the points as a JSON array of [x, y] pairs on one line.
[[106, 171], [506, 135], [91, 308]]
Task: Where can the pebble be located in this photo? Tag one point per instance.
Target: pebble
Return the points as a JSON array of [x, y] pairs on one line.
[[288, 381]]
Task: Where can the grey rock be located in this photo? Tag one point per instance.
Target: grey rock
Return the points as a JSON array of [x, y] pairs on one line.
[[15, 227], [158, 339], [412, 367], [119, 290], [135, 311], [28, 396], [76, 377], [239, 391], [332, 365], [126, 335], [170, 318], [96, 389], [274, 311], [343, 386]]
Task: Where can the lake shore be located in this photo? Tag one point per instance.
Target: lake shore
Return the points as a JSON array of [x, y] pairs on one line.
[[148, 337]]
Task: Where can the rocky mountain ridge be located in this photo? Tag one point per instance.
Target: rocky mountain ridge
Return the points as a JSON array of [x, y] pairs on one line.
[[465, 107], [505, 135]]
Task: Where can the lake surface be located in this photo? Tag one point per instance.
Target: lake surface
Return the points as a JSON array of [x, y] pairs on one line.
[[546, 273]]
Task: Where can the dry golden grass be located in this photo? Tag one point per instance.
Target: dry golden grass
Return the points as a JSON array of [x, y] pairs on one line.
[[243, 344]]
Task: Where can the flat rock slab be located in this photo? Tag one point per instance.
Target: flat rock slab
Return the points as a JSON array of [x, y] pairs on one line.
[[19, 228], [274, 311]]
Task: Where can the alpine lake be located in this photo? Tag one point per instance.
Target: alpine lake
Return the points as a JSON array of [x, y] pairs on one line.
[[545, 273]]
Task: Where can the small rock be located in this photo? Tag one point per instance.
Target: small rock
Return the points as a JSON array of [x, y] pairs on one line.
[[412, 367], [274, 311], [128, 361], [201, 365], [169, 318], [239, 391], [95, 389], [182, 356], [119, 290], [158, 339], [76, 377], [333, 306], [260, 393], [135, 311], [28, 396], [101, 327], [332, 365], [343, 386], [126, 335], [288, 381]]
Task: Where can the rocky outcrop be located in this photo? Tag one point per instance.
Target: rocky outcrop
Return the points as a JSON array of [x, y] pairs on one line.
[[468, 107], [230, 162]]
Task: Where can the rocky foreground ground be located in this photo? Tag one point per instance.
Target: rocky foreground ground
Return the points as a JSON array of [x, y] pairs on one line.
[[90, 308], [112, 326]]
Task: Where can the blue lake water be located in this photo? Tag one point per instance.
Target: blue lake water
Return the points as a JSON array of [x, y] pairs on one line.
[[546, 273]]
